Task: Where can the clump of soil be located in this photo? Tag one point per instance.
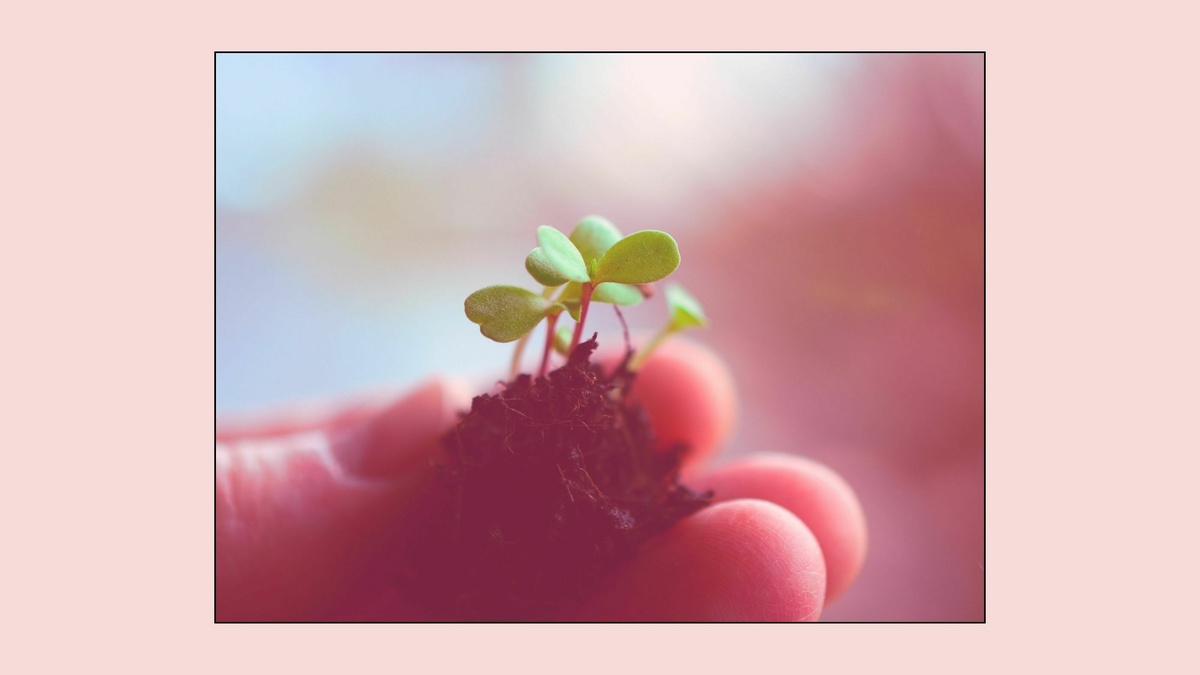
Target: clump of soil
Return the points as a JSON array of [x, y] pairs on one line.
[[552, 484]]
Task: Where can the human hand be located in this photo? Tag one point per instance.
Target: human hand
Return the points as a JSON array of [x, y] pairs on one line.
[[315, 507]]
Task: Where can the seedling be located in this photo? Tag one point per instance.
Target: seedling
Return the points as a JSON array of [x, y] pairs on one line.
[[686, 313], [554, 480], [594, 264]]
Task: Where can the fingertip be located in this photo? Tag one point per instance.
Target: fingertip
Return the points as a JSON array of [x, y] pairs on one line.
[[295, 520], [456, 396], [812, 492], [743, 560], [690, 397], [402, 434]]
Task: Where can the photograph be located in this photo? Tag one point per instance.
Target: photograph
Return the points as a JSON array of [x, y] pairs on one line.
[[600, 337]]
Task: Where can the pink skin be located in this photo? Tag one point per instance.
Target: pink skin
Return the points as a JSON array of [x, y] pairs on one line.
[[308, 503], [810, 491]]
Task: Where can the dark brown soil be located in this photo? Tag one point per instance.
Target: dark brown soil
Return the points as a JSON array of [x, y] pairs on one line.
[[552, 484]]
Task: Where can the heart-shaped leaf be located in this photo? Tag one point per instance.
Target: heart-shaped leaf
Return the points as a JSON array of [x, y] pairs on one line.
[[641, 258], [562, 254], [617, 294], [573, 308], [505, 313], [593, 236], [685, 310], [539, 268]]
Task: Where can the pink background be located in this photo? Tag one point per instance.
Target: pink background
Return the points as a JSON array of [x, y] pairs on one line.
[[110, 289]]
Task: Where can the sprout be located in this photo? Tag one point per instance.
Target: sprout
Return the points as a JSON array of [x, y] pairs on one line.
[[539, 267], [562, 254], [608, 293], [685, 309], [593, 236], [640, 258], [617, 294], [685, 313], [505, 313], [594, 264]]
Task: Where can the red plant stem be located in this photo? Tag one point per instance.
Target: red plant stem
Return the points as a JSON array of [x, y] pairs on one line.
[[585, 299], [549, 343], [624, 328]]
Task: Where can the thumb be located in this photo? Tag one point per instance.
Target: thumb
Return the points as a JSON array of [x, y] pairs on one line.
[[299, 504]]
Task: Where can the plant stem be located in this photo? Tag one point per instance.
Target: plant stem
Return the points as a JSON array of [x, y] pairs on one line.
[[520, 348], [585, 299], [649, 348], [624, 328], [549, 344]]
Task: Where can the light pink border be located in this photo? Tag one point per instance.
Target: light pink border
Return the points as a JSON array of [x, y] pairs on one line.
[[109, 341]]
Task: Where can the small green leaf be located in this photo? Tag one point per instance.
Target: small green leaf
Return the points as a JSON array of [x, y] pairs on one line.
[[641, 258], [609, 292], [572, 291], [685, 310], [593, 236], [505, 313], [562, 254], [562, 339], [540, 269], [617, 294], [573, 308]]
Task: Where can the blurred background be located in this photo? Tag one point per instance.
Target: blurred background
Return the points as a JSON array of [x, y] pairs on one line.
[[829, 211]]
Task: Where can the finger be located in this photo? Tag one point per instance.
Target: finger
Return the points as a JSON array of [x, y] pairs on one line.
[[689, 397], [295, 418], [813, 493], [742, 560], [296, 514]]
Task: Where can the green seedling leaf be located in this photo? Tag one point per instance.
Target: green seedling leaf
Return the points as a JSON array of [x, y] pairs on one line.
[[611, 293], [617, 294], [572, 291], [685, 310], [539, 268], [593, 236], [641, 258], [505, 313], [562, 254], [562, 340]]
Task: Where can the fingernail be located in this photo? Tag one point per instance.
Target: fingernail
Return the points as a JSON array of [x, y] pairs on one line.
[[400, 436]]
